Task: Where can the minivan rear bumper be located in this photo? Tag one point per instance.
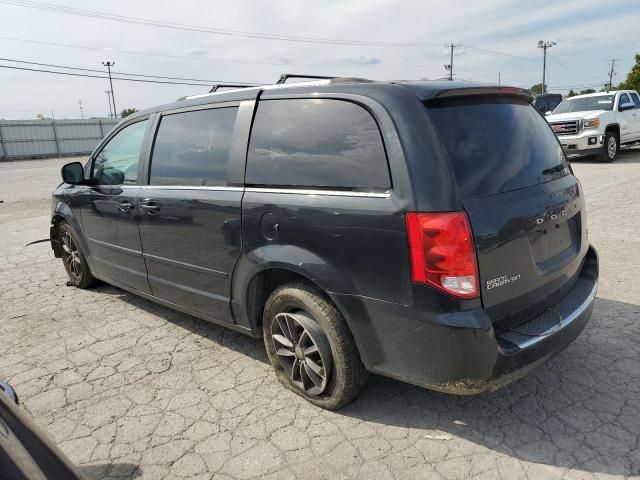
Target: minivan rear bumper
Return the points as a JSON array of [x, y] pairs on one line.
[[459, 352]]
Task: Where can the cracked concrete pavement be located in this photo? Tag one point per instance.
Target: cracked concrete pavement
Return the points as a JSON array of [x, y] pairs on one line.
[[130, 389]]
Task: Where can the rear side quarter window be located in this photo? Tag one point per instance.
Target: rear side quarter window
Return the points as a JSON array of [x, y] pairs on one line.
[[316, 143]]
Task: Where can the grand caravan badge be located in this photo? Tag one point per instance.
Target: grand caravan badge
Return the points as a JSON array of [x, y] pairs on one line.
[[501, 281]]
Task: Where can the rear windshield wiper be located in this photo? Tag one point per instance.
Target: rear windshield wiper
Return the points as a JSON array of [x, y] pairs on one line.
[[558, 168]]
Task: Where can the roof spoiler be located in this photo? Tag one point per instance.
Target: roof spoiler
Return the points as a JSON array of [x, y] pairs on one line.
[[493, 90]]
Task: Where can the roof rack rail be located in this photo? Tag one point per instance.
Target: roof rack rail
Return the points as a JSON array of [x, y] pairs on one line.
[[286, 76], [218, 86]]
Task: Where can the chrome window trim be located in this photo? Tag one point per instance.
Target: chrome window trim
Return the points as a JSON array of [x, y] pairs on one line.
[[291, 191], [192, 187], [309, 191]]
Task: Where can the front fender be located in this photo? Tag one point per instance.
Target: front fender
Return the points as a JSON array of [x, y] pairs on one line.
[[62, 212]]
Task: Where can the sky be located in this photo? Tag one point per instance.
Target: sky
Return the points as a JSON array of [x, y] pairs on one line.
[[342, 38]]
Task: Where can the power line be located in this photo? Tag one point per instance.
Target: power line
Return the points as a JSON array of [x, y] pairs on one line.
[[203, 29], [566, 68], [110, 50], [124, 79], [563, 87], [102, 71], [496, 53]]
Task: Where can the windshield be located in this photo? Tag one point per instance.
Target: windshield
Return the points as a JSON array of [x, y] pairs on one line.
[[584, 104], [496, 144]]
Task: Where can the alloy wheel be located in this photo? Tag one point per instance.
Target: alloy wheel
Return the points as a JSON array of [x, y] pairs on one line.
[[71, 255], [303, 350], [612, 147]]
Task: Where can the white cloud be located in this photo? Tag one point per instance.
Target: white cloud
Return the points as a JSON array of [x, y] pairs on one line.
[[508, 26]]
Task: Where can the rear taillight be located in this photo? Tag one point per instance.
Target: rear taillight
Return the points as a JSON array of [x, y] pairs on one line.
[[442, 252]]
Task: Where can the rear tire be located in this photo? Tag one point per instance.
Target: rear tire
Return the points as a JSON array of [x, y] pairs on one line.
[[73, 259], [610, 148], [304, 332]]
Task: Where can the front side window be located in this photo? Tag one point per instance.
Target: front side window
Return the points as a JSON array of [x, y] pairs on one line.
[[316, 143], [624, 98], [117, 162], [636, 99], [192, 148]]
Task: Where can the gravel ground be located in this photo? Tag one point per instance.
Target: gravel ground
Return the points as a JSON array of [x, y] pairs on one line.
[[130, 389]]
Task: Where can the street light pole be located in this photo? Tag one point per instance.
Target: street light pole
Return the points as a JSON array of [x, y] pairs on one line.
[[110, 64], [449, 67], [544, 45]]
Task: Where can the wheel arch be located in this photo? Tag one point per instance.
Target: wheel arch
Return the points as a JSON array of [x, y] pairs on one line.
[[63, 213], [259, 273], [613, 127]]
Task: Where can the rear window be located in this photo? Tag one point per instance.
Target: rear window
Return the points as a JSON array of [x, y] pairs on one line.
[[316, 143], [495, 144], [192, 148]]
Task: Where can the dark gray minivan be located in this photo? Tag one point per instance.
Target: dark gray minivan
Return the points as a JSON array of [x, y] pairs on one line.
[[431, 232]]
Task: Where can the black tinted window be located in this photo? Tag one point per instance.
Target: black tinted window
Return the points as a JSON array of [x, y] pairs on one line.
[[316, 142], [495, 144], [624, 98], [192, 148], [636, 99]]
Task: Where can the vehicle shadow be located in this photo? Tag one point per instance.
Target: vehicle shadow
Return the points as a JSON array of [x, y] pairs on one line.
[[626, 156], [99, 471], [580, 410], [244, 344]]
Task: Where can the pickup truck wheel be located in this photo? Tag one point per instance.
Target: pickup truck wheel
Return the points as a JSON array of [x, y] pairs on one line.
[[310, 347], [73, 259], [610, 148]]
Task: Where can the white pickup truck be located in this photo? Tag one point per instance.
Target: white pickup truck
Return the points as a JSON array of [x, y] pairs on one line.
[[597, 123]]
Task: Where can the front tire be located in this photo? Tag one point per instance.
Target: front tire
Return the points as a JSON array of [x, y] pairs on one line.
[[73, 259], [311, 348], [610, 148]]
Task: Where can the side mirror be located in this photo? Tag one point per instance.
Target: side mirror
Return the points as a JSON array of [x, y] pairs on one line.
[[73, 173], [10, 393], [547, 113], [626, 106]]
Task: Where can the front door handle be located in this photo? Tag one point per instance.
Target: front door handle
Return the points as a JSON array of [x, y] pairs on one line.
[[124, 207], [150, 207]]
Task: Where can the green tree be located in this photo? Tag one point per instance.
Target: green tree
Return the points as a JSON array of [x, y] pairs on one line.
[[571, 93], [588, 90], [127, 111], [633, 78], [537, 88]]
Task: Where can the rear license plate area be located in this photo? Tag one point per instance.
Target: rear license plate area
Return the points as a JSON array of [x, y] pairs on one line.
[[552, 239]]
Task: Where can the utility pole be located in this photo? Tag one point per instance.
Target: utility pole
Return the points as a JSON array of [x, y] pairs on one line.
[[544, 45], [108, 92], [449, 67], [81, 111], [110, 64], [498, 78], [612, 72]]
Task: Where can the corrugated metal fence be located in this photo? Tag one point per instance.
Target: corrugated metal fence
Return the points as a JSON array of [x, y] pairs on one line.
[[51, 138]]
